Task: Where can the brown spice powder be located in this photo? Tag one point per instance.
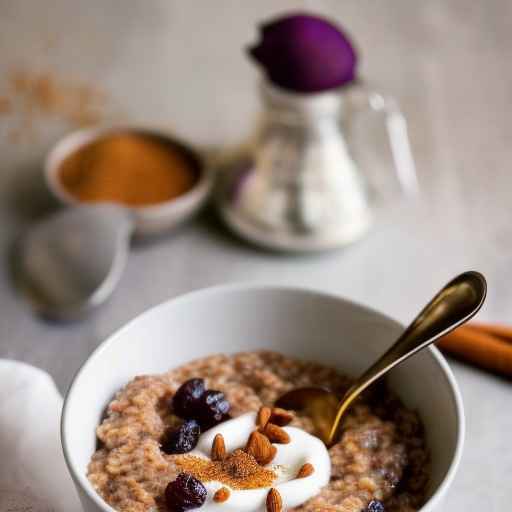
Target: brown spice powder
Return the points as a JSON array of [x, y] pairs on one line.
[[32, 95], [238, 471], [47, 93], [129, 168]]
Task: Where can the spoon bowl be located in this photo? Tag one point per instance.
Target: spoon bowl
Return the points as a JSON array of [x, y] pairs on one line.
[[451, 307]]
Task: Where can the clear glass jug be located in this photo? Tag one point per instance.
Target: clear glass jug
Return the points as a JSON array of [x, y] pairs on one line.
[[305, 181]]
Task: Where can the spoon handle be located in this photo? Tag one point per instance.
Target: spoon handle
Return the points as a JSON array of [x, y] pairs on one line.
[[452, 306]]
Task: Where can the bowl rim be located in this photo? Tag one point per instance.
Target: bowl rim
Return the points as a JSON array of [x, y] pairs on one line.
[[78, 138], [85, 486]]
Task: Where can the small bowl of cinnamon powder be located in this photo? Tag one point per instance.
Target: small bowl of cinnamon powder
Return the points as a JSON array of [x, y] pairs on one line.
[[161, 180]]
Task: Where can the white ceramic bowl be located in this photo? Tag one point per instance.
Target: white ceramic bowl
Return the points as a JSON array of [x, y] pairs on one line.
[[149, 220], [302, 323]]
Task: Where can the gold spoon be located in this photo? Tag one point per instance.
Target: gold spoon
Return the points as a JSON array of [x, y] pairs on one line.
[[452, 306]]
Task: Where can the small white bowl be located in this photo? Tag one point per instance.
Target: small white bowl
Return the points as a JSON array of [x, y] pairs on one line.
[[149, 220], [302, 323]]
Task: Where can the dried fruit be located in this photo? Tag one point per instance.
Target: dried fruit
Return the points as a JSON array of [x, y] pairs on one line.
[[276, 434], [263, 416], [221, 495], [375, 506], [280, 417], [212, 408], [185, 401], [185, 493], [274, 501], [218, 448], [260, 448], [306, 470], [182, 439]]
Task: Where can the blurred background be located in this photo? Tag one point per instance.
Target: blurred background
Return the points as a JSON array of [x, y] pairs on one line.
[[181, 66]]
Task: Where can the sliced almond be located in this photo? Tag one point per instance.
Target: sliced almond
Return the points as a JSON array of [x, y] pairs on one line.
[[218, 448], [306, 470], [221, 495], [280, 417], [276, 434], [263, 416], [274, 501], [259, 447]]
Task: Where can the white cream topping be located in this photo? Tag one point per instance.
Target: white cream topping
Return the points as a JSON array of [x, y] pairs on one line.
[[302, 448]]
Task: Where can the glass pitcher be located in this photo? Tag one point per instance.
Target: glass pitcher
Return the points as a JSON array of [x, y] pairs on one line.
[[305, 181]]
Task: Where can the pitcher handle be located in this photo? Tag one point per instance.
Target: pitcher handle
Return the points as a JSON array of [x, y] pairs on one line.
[[396, 126]]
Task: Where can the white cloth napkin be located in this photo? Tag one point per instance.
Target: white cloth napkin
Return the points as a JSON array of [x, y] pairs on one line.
[[33, 474]]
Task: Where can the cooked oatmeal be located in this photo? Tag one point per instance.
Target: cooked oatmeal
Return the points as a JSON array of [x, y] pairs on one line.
[[381, 454]]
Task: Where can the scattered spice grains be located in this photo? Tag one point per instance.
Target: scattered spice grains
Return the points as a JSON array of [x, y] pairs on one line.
[[239, 470], [274, 501], [48, 93], [32, 94], [221, 495], [218, 448], [306, 470]]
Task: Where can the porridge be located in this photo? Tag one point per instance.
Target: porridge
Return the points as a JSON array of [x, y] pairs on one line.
[[147, 459]]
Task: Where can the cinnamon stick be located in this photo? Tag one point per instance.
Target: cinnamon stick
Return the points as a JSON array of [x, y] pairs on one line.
[[480, 348], [501, 331]]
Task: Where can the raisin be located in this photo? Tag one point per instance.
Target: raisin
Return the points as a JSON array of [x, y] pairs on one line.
[[185, 401], [212, 408], [375, 506], [182, 439], [185, 493]]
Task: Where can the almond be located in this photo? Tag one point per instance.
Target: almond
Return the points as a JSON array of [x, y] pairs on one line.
[[218, 448], [274, 501], [260, 448], [306, 470], [263, 416], [280, 417], [271, 455], [221, 495], [276, 434]]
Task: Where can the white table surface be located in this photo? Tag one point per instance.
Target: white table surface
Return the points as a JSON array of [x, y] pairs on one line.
[[180, 65]]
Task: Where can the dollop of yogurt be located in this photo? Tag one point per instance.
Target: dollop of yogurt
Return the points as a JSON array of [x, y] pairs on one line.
[[303, 448]]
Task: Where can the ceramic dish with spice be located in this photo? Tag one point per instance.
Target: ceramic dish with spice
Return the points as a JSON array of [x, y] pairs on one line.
[[169, 415], [162, 181]]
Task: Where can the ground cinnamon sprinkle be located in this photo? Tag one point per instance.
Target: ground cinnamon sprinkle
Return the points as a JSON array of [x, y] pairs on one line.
[[48, 93], [131, 168], [31, 95], [238, 471]]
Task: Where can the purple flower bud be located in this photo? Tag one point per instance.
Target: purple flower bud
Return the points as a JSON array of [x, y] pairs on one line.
[[305, 53]]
